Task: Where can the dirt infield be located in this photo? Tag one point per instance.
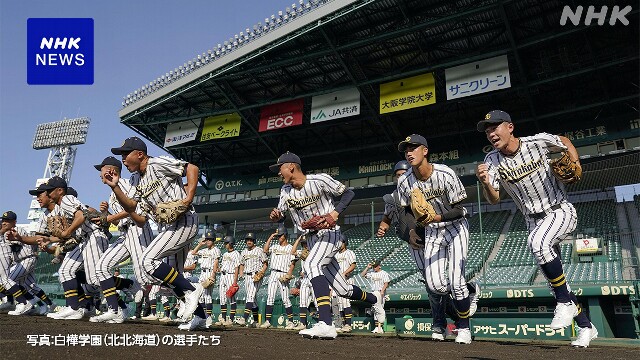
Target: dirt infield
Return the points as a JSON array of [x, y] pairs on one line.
[[242, 343]]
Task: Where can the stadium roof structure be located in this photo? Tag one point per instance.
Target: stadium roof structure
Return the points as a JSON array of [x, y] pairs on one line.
[[559, 75]]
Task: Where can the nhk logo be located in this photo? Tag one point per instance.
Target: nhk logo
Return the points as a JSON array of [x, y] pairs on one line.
[[617, 14], [60, 51]]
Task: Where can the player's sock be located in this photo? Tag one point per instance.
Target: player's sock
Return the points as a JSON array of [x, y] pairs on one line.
[[358, 294], [247, 310], [462, 307], [200, 312], [139, 309], [289, 312], [18, 293], [255, 314], [153, 309], [268, 312], [122, 283], [342, 316], [348, 315], [27, 295], [108, 287], [179, 293], [553, 272], [209, 309], [303, 315], [581, 319], [234, 307], [171, 276], [43, 296], [223, 310], [321, 290], [121, 304], [147, 310], [167, 310], [71, 293]]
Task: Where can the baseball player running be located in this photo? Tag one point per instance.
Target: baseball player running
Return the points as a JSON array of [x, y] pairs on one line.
[[84, 256], [25, 256], [208, 259], [280, 263], [160, 183], [520, 166], [306, 197], [25, 300], [379, 282], [253, 264], [229, 272], [436, 187], [135, 236], [347, 261], [405, 227]]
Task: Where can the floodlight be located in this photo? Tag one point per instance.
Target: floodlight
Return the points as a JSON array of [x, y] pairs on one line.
[[61, 133]]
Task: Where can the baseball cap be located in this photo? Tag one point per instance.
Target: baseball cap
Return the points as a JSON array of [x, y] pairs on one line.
[[209, 235], [401, 165], [282, 230], [250, 236], [344, 239], [375, 263], [9, 215], [287, 157], [71, 191], [53, 183], [109, 160], [230, 239], [413, 139], [493, 117], [130, 144]]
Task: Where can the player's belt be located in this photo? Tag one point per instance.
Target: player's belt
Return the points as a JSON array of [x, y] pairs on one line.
[[277, 270], [225, 273], [250, 273], [544, 213]]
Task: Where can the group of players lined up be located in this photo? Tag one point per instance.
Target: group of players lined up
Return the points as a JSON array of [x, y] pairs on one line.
[[438, 243]]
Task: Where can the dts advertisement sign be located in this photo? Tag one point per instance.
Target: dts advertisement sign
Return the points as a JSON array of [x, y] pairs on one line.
[[281, 115]]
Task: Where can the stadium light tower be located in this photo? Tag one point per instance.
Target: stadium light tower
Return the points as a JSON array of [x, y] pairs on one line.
[[60, 136]]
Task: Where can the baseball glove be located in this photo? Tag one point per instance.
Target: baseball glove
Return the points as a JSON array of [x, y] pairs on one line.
[[56, 225], [233, 290], [90, 214], [304, 254], [258, 276], [566, 170], [319, 222], [295, 291], [208, 282], [286, 277], [169, 212], [422, 210]]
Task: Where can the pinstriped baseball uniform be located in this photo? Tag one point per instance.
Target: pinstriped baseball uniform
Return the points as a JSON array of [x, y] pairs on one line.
[[527, 177], [87, 254], [207, 258], [162, 182], [279, 261], [392, 210], [446, 243], [131, 242], [6, 259], [316, 197], [252, 261], [190, 260], [228, 265], [22, 270], [345, 259], [377, 279]]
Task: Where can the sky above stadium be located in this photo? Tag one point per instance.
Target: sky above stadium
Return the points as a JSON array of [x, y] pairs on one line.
[[134, 42]]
